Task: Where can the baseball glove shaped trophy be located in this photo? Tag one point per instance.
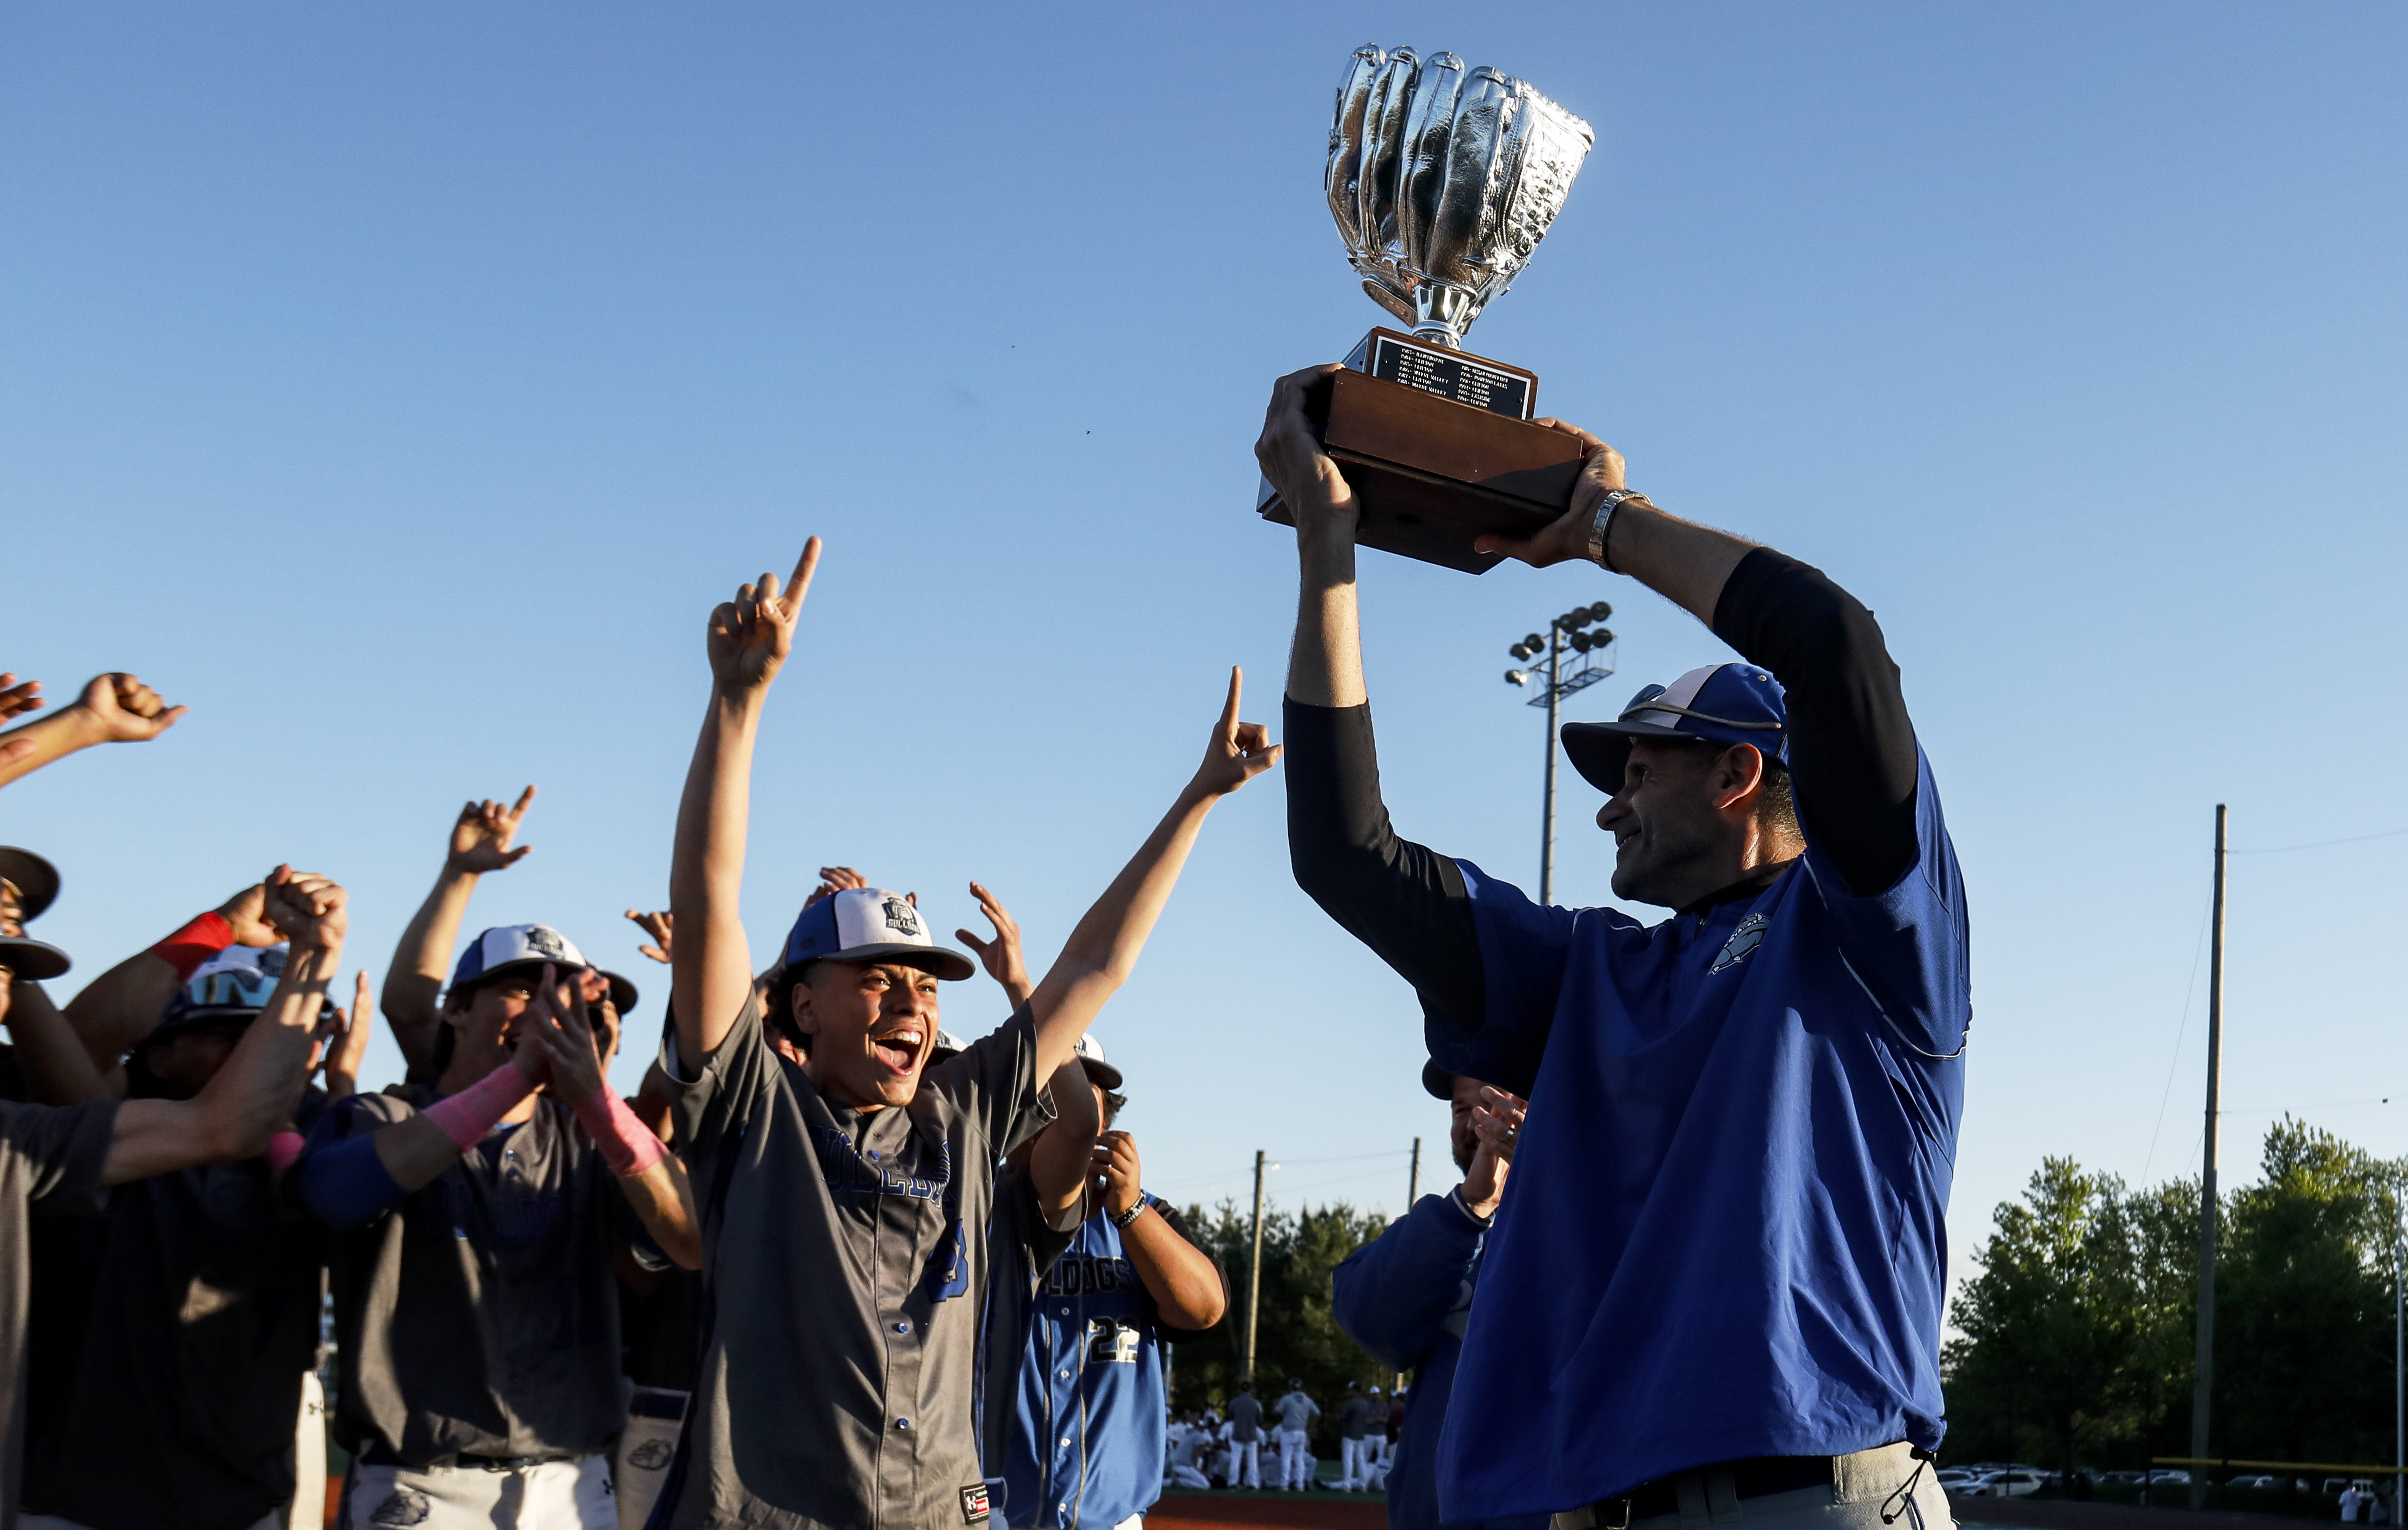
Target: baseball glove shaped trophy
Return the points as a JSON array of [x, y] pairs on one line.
[[1442, 180]]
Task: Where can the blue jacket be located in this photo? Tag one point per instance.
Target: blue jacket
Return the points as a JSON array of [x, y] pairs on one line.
[[1405, 1298]]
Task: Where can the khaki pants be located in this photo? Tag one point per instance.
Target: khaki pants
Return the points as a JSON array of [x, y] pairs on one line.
[[1866, 1486], [553, 1495]]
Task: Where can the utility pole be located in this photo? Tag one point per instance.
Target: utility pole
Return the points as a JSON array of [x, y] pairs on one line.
[[1255, 1270], [2203, 1387], [1562, 632], [1414, 1182]]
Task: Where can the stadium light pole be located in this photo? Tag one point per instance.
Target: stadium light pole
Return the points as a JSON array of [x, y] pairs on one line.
[[1563, 633]]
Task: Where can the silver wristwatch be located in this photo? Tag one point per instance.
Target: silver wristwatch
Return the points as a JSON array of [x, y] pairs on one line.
[[1603, 526]]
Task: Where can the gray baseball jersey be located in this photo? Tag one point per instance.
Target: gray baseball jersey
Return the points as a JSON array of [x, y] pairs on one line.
[[480, 1315], [1354, 1418], [1297, 1410], [44, 1153], [1245, 1418], [845, 1262]]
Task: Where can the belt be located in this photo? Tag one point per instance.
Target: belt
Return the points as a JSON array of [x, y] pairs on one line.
[[1756, 1477], [377, 1455]]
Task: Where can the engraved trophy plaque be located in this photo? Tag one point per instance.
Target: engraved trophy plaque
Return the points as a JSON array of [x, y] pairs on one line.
[[1443, 179]]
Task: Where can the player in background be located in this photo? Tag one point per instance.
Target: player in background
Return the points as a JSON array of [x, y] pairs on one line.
[[1296, 1412], [856, 1407], [1246, 1437], [1745, 1115], [57, 1155], [1091, 1398], [1406, 1296], [1354, 1429]]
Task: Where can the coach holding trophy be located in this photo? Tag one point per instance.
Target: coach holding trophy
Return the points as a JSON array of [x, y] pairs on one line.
[[1715, 1288]]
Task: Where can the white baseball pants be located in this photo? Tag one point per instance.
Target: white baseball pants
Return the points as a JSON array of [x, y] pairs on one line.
[[1884, 1488], [553, 1495], [1246, 1463]]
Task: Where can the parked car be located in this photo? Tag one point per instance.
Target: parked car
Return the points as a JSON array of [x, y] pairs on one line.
[[2166, 1477], [2016, 1483], [2274, 1482]]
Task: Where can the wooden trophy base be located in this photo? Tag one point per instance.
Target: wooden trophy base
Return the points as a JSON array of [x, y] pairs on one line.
[[1439, 451]]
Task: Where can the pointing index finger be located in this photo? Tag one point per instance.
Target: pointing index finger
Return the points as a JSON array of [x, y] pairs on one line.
[[1229, 712], [800, 583]]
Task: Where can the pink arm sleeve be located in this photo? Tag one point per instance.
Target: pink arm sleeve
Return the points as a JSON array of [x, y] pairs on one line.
[[468, 1116], [628, 1145]]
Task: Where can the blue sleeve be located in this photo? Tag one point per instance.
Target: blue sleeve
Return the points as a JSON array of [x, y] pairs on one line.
[[1908, 943], [1392, 1296], [343, 1182], [1524, 946]]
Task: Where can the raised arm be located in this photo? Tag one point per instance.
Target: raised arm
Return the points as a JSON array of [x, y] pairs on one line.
[[1103, 949], [118, 1008], [241, 1106], [113, 709], [748, 641], [1405, 901], [1058, 1159], [480, 843]]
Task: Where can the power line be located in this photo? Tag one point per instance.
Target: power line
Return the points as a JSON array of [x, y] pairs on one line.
[[2174, 1062], [2319, 844]]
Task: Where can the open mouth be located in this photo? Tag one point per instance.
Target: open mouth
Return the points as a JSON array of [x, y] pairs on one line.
[[900, 1050]]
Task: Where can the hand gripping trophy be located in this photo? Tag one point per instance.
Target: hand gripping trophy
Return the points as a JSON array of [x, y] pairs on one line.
[[1442, 180]]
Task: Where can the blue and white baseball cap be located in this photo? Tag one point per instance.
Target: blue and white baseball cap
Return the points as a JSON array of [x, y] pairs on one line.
[[871, 924], [508, 947], [232, 985], [1720, 704]]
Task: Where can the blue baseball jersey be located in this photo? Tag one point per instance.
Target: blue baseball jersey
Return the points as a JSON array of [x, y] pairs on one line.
[[1724, 1235], [1092, 1410]]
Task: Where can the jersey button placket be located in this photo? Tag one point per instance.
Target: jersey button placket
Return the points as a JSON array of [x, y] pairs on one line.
[[899, 1266]]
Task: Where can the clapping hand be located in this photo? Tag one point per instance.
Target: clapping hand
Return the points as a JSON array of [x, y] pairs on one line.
[[557, 1016], [1239, 752], [1496, 1127], [346, 1041], [481, 835], [246, 915], [1116, 1170], [305, 908], [749, 637]]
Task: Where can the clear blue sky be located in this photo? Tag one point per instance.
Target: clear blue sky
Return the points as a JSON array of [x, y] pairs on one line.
[[399, 387]]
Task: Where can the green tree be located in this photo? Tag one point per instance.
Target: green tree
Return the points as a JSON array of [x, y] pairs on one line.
[[2058, 1335], [1297, 1336]]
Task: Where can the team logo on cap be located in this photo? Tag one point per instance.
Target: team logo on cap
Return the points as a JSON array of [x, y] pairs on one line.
[[1742, 942], [901, 917], [547, 943]]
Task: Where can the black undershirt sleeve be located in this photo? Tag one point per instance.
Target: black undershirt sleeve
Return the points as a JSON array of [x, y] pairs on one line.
[[1405, 901], [1852, 752]]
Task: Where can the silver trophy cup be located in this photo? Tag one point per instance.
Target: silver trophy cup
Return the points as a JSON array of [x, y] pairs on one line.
[[1442, 180]]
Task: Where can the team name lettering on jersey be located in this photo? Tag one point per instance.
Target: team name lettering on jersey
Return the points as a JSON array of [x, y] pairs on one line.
[[1081, 1274], [849, 1172]]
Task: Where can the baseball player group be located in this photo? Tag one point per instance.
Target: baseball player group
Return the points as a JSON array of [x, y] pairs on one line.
[[833, 1266]]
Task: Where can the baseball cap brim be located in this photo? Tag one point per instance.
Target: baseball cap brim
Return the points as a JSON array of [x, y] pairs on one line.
[[37, 880], [1438, 1082], [946, 963], [622, 993], [33, 960], [1601, 751], [1102, 1074]]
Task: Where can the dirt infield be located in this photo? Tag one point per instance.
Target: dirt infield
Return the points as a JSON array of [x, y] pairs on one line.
[[1295, 1511]]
